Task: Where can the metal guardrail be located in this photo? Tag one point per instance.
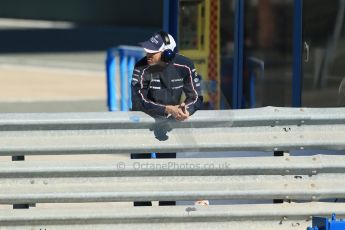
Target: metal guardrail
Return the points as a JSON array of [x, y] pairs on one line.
[[288, 165], [259, 216], [305, 179], [266, 129], [141, 180]]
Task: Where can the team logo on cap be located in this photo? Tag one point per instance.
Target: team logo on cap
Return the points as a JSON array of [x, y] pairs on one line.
[[154, 40]]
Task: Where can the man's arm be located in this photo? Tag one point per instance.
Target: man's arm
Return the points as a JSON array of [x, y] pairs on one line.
[[192, 89]]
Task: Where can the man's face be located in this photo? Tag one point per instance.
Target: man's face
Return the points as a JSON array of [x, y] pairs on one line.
[[153, 58]]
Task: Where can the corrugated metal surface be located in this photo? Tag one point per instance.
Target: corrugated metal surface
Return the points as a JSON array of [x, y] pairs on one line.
[[262, 216], [303, 178], [171, 188], [222, 118], [287, 165], [267, 129], [299, 180]]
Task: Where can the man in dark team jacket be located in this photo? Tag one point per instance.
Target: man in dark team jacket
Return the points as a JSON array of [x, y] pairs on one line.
[[158, 81]]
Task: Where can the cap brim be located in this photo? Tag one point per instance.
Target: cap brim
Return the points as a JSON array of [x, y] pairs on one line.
[[149, 48], [151, 51]]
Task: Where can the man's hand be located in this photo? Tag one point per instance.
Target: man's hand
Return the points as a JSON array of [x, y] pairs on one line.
[[172, 110], [183, 112], [179, 112]]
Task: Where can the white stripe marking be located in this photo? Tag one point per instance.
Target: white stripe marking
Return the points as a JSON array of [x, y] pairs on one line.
[[175, 80], [155, 87], [177, 87]]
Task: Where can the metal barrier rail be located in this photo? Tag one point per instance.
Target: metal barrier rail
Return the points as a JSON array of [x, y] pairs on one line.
[[259, 216], [307, 179], [287, 165], [266, 116], [267, 129], [244, 178]]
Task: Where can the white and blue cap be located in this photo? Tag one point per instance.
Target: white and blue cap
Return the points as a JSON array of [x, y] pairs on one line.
[[156, 43]]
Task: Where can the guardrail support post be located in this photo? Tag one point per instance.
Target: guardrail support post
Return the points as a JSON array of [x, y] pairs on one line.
[[278, 154], [19, 206]]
